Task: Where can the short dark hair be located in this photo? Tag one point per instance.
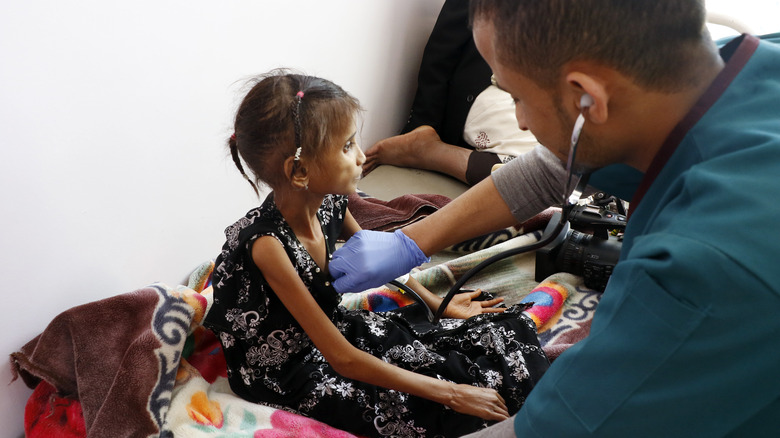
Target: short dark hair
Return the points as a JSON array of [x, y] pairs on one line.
[[265, 124], [650, 41]]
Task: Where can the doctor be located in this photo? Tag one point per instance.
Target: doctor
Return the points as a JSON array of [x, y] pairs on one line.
[[685, 340]]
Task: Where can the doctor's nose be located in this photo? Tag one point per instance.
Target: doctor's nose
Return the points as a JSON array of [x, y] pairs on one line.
[[521, 122]]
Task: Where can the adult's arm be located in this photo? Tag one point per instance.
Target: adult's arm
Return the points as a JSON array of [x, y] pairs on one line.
[[372, 258], [514, 193], [531, 183], [478, 211]]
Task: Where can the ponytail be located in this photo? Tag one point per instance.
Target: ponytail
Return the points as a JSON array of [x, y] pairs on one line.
[[233, 145]]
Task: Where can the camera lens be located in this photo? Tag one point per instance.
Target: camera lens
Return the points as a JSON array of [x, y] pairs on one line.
[[571, 254], [593, 259], [591, 256]]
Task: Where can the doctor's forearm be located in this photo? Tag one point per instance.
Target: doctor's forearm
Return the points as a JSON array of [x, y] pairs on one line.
[[478, 211]]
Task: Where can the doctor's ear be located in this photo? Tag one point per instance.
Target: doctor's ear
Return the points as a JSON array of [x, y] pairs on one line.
[[590, 96]]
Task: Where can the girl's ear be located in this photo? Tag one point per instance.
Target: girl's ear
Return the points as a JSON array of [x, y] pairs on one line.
[[296, 173]]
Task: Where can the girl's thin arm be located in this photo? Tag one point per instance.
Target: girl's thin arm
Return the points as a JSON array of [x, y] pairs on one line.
[[353, 363], [462, 305], [432, 300], [349, 227]]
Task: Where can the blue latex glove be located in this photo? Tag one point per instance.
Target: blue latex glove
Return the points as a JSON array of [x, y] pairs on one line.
[[373, 258]]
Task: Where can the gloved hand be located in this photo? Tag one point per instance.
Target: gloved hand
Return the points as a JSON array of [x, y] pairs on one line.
[[373, 258]]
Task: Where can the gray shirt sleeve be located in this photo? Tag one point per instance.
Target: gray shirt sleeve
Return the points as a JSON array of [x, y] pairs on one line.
[[531, 183]]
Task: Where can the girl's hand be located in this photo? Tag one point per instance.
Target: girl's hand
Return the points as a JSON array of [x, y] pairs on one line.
[[462, 306], [484, 403]]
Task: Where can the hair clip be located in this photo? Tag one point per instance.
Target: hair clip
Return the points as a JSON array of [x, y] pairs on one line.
[[299, 94], [297, 154]]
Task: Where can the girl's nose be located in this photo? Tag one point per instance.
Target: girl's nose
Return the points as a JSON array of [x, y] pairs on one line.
[[361, 157]]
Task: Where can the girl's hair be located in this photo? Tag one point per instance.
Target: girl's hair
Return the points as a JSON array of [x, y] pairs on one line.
[[284, 111], [651, 41]]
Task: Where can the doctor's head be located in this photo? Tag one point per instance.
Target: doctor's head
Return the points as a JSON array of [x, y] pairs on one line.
[[548, 53]]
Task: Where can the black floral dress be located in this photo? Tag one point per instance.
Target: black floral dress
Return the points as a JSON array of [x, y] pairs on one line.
[[271, 360]]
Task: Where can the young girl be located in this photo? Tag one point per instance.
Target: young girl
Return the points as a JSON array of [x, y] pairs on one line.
[[287, 341]]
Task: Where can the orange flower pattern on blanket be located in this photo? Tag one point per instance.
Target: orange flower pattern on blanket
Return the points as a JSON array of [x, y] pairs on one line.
[[289, 425], [205, 411], [195, 300]]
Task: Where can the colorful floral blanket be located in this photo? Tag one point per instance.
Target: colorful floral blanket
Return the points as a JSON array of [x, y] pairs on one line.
[[140, 364]]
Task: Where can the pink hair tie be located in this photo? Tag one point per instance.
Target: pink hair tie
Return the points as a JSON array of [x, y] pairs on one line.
[[233, 137], [300, 94]]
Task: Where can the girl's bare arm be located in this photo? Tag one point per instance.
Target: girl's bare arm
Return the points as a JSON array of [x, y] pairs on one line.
[[349, 227], [462, 305], [352, 363]]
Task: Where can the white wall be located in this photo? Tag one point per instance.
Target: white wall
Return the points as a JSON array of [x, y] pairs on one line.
[[113, 172], [759, 16]]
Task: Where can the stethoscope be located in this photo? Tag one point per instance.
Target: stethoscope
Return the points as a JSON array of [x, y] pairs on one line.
[[571, 195]]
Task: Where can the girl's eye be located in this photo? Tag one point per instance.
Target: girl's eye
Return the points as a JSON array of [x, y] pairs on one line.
[[348, 145]]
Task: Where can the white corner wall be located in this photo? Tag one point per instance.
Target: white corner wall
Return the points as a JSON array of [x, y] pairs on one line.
[[730, 18], [114, 115]]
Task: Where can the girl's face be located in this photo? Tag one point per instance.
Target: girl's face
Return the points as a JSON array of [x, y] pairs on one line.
[[340, 168]]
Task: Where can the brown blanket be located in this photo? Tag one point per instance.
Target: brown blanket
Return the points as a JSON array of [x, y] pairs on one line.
[[375, 214], [117, 356]]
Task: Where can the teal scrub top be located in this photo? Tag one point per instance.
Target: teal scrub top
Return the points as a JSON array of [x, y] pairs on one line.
[[686, 339]]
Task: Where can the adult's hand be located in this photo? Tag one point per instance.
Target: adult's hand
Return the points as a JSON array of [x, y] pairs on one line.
[[373, 258]]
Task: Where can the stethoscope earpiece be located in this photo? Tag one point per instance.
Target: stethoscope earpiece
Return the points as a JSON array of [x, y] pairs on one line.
[[586, 101], [570, 195]]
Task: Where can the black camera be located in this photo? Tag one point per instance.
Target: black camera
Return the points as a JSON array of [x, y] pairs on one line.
[[589, 243]]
